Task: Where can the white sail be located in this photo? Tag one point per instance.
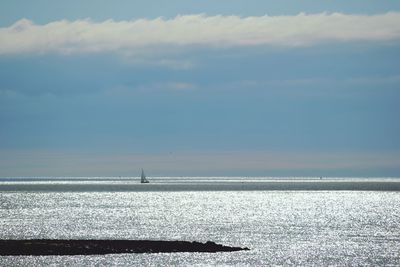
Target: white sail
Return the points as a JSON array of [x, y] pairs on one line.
[[143, 179]]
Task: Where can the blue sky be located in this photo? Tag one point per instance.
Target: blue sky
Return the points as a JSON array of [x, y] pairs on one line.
[[266, 88]]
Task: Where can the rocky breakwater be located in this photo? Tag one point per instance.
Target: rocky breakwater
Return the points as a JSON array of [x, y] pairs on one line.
[[98, 247]]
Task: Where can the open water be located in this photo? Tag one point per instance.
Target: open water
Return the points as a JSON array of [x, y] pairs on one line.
[[283, 221]]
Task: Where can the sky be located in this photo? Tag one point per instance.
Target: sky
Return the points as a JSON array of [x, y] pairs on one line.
[[200, 88]]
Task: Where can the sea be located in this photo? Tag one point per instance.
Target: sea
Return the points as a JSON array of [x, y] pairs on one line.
[[292, 221]]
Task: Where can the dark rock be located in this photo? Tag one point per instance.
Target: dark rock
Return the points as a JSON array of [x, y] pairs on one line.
[[92, 247]]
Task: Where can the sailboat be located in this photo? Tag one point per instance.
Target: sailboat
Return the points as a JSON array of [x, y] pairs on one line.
[[143, 179]]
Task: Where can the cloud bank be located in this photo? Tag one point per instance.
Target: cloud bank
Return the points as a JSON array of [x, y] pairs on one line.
[[83, 36]]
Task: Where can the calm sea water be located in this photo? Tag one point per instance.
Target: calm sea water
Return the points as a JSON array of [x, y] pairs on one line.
[[281, 227]]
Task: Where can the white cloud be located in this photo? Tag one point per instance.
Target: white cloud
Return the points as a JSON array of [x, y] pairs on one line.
[[138, 36], [169, 86]]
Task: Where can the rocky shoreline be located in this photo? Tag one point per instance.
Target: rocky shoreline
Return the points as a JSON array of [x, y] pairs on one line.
[[38, 247]]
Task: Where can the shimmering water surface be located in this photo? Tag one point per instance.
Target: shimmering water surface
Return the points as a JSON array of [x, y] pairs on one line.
[[280, 227]]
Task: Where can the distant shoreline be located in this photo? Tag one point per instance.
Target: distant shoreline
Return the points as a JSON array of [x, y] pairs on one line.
[[201, 185]]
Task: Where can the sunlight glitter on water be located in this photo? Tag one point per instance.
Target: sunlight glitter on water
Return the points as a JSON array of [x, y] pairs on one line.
[[284, 228]]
